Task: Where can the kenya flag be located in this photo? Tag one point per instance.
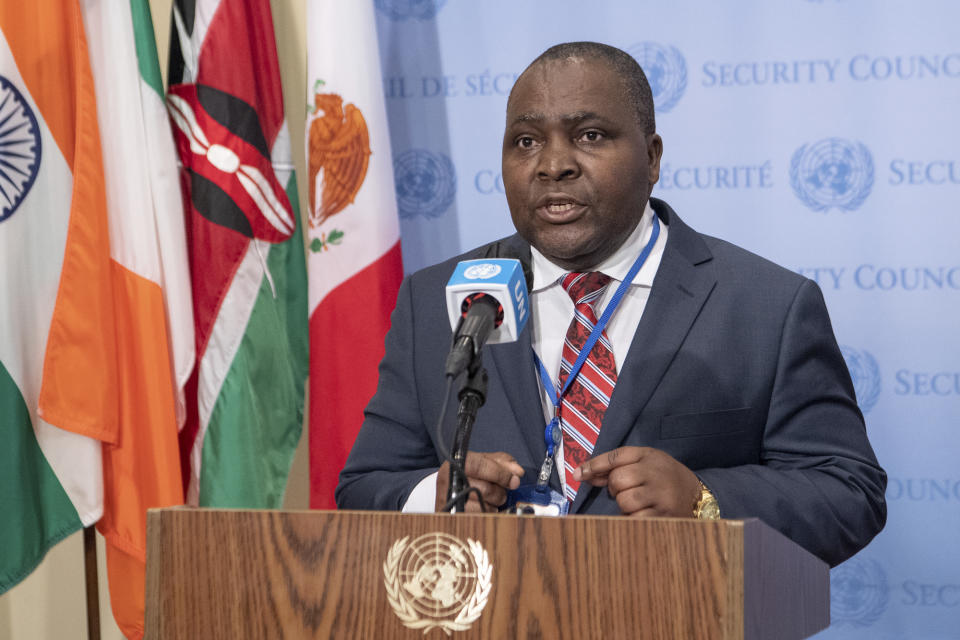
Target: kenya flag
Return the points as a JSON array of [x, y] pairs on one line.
[[245, 397], [354, 237]]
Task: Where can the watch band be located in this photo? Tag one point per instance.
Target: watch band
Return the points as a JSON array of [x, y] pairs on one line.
[[706, 507]]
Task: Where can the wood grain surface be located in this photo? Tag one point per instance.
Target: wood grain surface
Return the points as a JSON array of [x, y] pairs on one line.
[[319, 574]]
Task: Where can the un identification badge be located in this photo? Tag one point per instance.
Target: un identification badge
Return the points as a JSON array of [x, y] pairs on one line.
[[437, 581]]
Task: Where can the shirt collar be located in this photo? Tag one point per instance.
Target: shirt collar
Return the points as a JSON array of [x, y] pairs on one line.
[[547, 274]]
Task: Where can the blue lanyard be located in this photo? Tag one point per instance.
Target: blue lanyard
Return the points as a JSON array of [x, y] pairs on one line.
[[551, 433]]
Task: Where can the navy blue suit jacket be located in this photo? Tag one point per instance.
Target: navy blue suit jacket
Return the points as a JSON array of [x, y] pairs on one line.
[[734, 371]]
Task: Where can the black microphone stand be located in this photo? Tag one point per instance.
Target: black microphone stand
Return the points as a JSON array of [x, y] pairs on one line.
[[472, 395]]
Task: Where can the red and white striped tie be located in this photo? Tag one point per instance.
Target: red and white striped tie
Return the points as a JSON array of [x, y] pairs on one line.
[[583, 405]]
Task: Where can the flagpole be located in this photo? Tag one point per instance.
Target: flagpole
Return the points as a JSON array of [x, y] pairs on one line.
[[93, 595]]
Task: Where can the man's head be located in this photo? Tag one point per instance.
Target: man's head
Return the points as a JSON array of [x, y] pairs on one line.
[[580, 152]]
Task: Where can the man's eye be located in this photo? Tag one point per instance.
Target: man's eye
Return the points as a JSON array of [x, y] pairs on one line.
[[591, 136], [524, 142]]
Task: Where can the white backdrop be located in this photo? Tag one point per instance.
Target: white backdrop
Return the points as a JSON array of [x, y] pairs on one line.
[[821, 134]]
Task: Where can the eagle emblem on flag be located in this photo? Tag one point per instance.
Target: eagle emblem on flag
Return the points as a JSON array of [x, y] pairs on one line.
[[339, 152]]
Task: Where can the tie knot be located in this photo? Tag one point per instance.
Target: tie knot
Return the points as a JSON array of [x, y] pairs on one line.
[[585, 288]]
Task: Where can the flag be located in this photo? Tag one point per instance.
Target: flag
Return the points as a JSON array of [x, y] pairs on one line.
[[151, 289], [58, 356], [355, 265], [245, 396]]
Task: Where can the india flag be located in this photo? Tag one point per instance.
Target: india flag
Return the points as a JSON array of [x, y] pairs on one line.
[[354, 237], [58, 357], [151, 304]]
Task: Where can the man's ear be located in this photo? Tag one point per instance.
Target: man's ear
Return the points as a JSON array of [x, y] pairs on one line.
[[654, 151]]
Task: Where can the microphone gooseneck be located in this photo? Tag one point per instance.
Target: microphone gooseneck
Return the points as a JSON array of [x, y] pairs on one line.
[[487, 301]]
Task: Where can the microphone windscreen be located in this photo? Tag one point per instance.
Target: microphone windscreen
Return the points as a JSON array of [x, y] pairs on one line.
[[504, 280]]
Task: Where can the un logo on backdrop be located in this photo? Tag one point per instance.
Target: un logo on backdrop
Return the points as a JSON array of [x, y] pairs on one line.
[[19, 148], [832, 173], [666, 71], [858, 592], [865, 374], [404, 9], [426, 183]]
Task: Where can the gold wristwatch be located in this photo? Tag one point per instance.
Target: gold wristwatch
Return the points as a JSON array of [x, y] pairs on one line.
[[706, 507]]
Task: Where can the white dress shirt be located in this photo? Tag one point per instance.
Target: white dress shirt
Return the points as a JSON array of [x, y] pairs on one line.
[[551, 312]]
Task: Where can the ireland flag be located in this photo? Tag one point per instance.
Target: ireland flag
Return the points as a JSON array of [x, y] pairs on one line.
[[151, 292]]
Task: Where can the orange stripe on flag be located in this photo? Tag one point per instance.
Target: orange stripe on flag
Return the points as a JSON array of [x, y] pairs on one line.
[[143, 470], [79, 376]]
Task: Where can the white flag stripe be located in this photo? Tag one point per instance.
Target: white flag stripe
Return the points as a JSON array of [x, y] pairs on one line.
[[352, 71], [167, 199]]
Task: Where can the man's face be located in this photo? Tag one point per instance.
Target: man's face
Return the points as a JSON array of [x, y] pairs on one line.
[[577, 166]]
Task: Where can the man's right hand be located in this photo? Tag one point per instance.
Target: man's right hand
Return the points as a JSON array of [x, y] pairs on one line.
[[491, 473]]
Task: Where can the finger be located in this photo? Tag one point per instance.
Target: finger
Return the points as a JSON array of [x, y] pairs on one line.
[[443, 485], [634, 500], [484, 467], [597, 481], [473, 504], [626, 477], [493, 494], [508, 461], [604, 463]]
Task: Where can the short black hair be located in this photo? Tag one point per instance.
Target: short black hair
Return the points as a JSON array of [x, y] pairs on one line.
[[635, 83]]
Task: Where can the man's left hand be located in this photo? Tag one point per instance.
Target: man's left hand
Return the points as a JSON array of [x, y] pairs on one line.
[[644, 481]]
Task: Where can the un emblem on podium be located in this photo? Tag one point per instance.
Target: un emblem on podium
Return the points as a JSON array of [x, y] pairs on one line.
[[832, 173], [437, 581]]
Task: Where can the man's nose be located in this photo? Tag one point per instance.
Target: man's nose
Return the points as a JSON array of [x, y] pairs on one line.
[[558, 161]]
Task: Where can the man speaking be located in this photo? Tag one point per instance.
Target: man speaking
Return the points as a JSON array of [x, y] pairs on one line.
[[686, 377]]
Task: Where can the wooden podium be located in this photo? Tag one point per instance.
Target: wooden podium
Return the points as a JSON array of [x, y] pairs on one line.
[[351, 574]]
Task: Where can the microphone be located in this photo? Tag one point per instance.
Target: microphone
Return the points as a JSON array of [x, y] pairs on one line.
[[486, 303]]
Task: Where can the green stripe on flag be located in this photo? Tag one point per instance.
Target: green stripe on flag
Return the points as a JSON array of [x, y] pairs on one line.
[[37, 513], [256, 421], [146, 45]]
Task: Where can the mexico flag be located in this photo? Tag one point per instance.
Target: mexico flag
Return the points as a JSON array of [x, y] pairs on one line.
[[151, 289], [245, 397], [58, 357], [354, 237]]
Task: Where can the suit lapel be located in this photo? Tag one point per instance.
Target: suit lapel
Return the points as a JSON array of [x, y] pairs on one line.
[[682, 285], [516, 370]]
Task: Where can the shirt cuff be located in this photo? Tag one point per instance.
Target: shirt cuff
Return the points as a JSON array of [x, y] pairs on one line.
[[423, 498]]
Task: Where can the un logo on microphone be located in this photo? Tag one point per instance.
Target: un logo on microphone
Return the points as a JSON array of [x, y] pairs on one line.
[[19, 148], [404, 9], [865, 374], [666, 71], [832, 173], [426, 183], [483, 271], [858, 592]]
